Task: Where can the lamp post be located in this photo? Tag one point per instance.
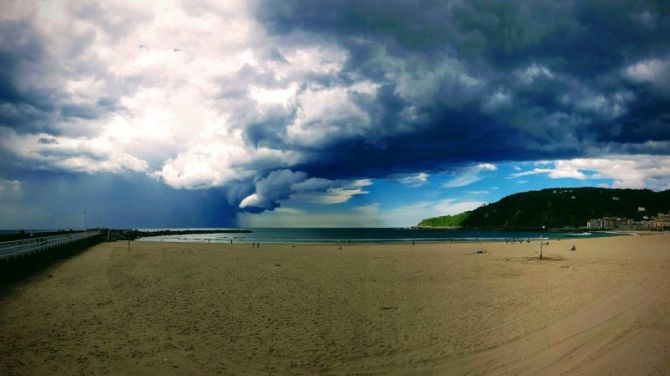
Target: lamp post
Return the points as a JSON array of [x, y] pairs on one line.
[[541, 241]]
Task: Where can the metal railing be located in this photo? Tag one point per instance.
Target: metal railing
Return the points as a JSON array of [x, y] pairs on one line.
[[16, 248]]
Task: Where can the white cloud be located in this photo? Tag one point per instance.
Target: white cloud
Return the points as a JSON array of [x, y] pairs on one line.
[[500, 99], [332, 195], [535, 171], [326, 115], [415, 180], [655, 72], [560, 170], [533, 72], [486, 167], [216, 158], [361, 183], [266, 96], [469, 175], [627, 171], [69, 153]]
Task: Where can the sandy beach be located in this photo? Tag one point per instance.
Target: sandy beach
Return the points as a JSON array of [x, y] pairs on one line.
[[436, 308]]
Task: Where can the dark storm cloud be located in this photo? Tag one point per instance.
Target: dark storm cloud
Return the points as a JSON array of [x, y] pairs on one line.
[[21, 50], [52, 199], [488, 81], [32, 98], [269, 128], [477, 138], [585, 35]]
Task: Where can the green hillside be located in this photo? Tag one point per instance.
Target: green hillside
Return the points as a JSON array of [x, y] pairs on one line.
[[445, 221], [560, 208]]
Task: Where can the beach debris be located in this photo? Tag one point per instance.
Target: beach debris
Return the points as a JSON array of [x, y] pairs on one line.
[[573, 248], [387, 308], [480, 251]]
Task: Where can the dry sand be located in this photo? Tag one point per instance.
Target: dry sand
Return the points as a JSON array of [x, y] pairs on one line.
[[167, 308]]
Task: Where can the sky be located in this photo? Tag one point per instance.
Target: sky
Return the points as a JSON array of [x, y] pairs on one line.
[[322, 113]]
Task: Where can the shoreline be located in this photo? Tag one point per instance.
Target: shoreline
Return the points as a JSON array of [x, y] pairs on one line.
[[250, 240]]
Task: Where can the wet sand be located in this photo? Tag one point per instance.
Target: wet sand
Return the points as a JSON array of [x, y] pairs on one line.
[[437, 308]]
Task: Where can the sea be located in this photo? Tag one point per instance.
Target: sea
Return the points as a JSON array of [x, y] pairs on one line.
[[362, 235]]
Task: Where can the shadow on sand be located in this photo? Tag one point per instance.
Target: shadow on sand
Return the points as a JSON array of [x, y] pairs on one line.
[[15, 269]]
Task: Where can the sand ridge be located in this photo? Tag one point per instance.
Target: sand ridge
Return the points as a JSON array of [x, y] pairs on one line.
[[433, 308]]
